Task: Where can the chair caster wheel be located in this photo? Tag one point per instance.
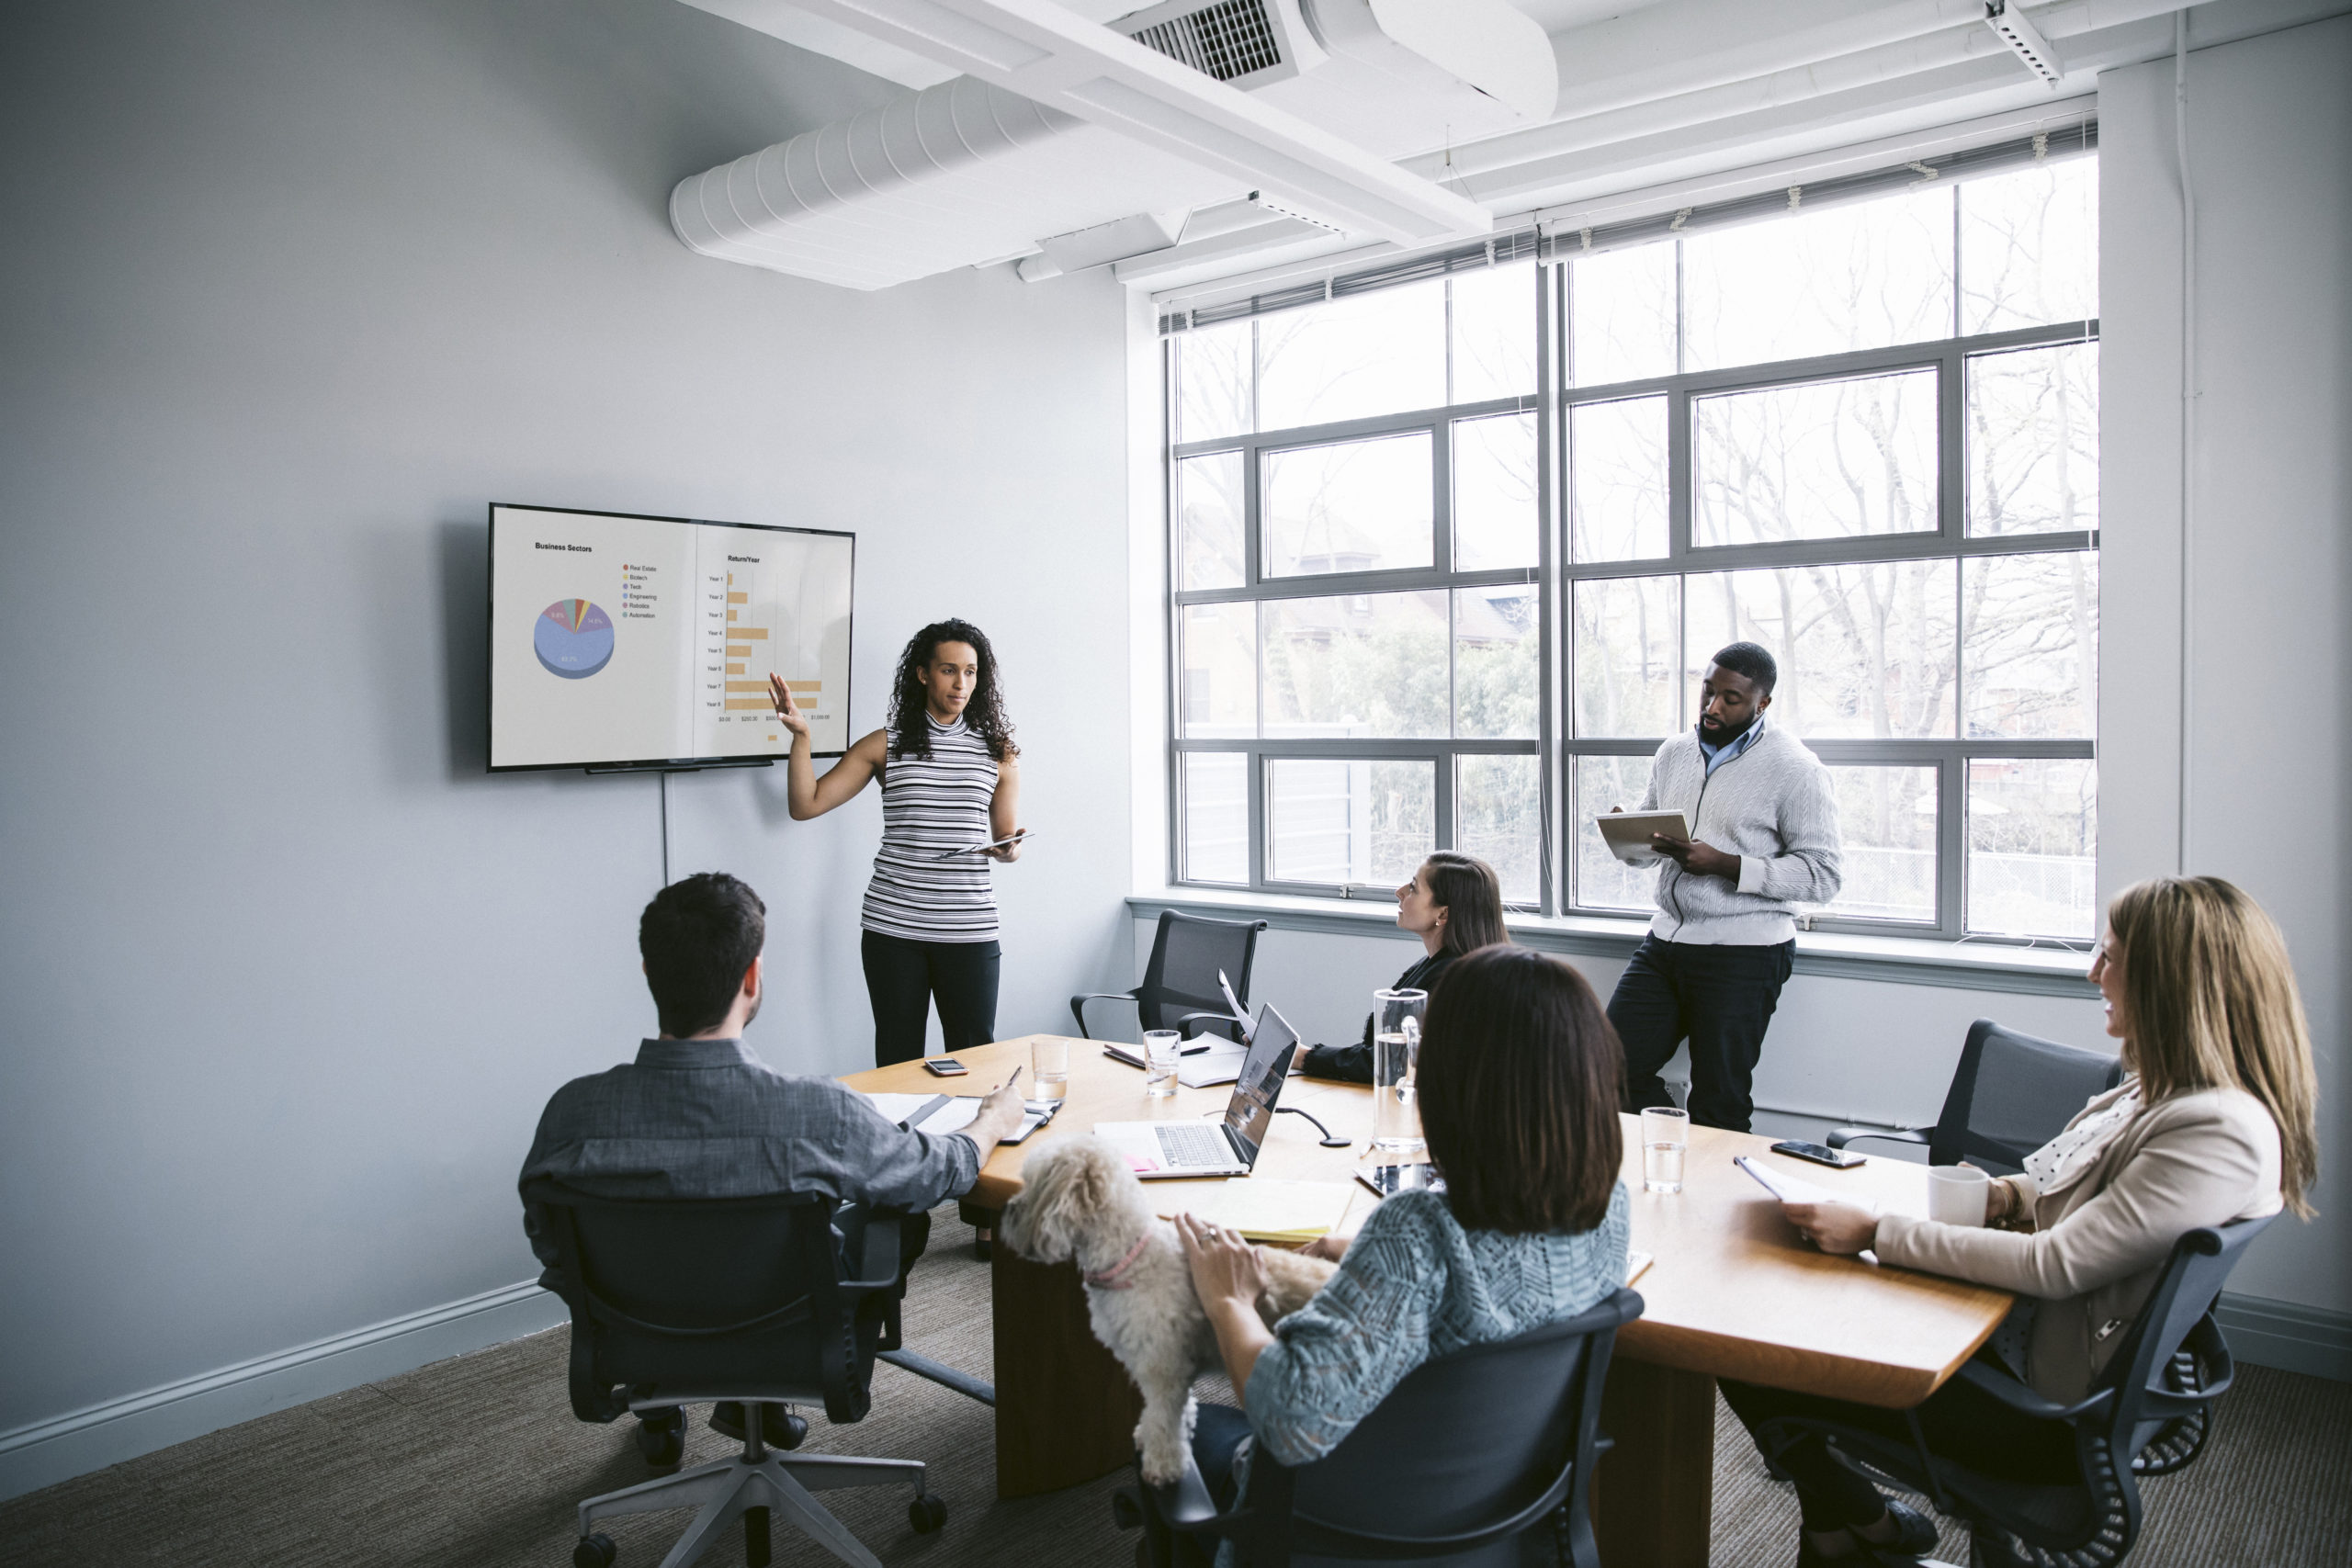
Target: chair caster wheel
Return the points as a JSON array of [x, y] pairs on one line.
[[927, 1513], [795, 1432], [595, 1551]]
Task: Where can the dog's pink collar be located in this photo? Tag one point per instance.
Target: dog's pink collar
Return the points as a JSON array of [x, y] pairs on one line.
[[1109, 1278]]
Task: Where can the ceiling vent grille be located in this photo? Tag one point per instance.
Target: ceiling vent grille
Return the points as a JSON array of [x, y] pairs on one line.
[[1227, 40]]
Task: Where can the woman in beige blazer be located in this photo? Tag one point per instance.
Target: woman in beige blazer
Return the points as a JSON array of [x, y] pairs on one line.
[[2214, 1123]]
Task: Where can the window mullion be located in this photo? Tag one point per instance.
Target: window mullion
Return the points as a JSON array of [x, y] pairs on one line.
[[1547, 595], [1257, 772], [1951, 847]]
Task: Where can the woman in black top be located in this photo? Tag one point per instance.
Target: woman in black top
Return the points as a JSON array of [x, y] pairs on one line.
[[1455, 904]]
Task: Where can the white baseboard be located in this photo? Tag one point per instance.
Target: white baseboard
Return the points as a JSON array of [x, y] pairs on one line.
[[82, 1440]]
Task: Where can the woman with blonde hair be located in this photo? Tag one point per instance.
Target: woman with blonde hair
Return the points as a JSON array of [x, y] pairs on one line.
[[2213, 1123]]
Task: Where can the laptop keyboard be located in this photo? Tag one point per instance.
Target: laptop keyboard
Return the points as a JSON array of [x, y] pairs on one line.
[[1194, 1145]]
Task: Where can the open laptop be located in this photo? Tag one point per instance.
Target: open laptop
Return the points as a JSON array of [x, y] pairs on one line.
[[1159, 1150]]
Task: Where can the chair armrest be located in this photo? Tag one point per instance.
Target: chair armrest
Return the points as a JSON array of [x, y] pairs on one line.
[[1844, 1136], [880, 1263], [1077, 1010], [2023, 1400], [1220, 1019]]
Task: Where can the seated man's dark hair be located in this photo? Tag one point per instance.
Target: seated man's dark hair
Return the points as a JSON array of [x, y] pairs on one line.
[[1752, 660], [697, 937], [1519, 1074]]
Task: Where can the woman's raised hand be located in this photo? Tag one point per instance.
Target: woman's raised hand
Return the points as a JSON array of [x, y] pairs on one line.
[[786, 710]]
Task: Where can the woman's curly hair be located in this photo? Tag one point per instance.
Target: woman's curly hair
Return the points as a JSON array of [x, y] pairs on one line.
[[909, 734]]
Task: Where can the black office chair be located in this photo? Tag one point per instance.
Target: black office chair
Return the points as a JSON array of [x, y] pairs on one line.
[[1179, 989], [2011, 1094], [2149, 1415], [686, 1300], [1483, 1456]]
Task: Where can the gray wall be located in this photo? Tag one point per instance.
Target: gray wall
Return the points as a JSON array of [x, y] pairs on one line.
[[2270, 728], [288, 293]]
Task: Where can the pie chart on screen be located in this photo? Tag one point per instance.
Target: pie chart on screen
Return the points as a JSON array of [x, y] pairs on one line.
[[573, 639]]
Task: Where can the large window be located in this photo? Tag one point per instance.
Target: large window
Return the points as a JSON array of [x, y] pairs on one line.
[[1451, 554]]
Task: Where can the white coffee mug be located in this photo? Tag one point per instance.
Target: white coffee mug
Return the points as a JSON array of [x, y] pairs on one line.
[[1957, 1194]]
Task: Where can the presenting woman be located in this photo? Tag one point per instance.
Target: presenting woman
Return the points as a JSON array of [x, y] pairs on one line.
[[1519, 1074], [951, 797], [2214, 1123], [1455, 904]]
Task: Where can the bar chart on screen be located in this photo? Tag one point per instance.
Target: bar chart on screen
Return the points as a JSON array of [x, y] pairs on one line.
[[771, 605]]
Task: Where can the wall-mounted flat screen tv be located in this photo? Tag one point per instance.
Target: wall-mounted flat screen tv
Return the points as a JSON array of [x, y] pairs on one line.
[[622, 641]]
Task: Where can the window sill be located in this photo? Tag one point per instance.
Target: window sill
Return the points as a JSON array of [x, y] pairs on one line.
[[1907, 961]]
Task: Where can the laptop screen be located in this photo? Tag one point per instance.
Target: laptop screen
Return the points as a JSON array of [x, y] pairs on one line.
[[1263, 1071]]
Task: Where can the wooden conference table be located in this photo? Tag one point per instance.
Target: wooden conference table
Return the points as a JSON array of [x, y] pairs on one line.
[[1733, 1292]]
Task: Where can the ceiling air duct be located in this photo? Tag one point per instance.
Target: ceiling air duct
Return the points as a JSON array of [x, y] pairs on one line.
[[967, 172]]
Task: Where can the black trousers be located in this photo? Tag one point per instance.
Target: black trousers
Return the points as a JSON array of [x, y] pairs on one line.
[[901, 979], [1721, 999], [1961, 1422]]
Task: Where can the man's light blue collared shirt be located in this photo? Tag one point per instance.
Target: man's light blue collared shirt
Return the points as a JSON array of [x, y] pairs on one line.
[[1718, 755]]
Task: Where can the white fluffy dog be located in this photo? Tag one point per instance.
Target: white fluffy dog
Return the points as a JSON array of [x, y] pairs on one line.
[[1080, 1203]]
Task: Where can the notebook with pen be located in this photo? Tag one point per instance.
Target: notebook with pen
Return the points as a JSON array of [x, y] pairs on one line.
[[938, 1113]]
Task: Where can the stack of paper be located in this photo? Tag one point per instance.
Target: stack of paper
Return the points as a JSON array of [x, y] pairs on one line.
[[1791, 1189], [928, 1112], [1263, 1208]]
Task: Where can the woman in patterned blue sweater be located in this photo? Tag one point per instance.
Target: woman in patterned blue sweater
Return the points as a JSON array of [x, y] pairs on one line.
[[1519, 1076]]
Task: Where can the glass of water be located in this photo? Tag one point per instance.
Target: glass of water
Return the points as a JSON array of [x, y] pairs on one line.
[[1162, 1049], [1666, 1137], [1049, 1064], [1396, 1070]]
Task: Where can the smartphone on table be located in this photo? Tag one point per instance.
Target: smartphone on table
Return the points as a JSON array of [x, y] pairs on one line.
[[1819, 1154], [944, 1067]]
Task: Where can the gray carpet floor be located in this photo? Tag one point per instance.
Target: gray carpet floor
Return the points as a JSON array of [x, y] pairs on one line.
[[478, 1463]]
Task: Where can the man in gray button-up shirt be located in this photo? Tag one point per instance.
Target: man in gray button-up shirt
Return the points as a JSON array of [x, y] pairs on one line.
[[698, 1115]]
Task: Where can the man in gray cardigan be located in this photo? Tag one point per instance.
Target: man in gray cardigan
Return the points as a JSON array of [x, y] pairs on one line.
[[1763, 839]]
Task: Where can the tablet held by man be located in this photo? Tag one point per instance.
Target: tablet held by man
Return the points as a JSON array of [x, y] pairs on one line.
[[1762, 840]]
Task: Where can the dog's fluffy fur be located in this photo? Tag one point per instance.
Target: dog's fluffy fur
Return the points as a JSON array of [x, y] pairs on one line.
[[1080, 1203]]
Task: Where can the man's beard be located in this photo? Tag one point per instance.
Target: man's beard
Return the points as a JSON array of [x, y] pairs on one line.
[[1723, 734]]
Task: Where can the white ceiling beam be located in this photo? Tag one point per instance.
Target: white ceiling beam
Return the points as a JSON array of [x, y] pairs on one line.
[[1957, 61], [781, 19], [1047, 54], [1686, 46]]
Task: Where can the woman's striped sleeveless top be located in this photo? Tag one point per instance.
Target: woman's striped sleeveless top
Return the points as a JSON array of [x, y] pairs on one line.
[[931, 805]]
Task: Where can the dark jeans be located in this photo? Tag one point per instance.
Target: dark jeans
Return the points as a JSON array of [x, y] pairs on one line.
[[901, 978], [1219, 1432], [1961, 1424], [1721, 998]]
